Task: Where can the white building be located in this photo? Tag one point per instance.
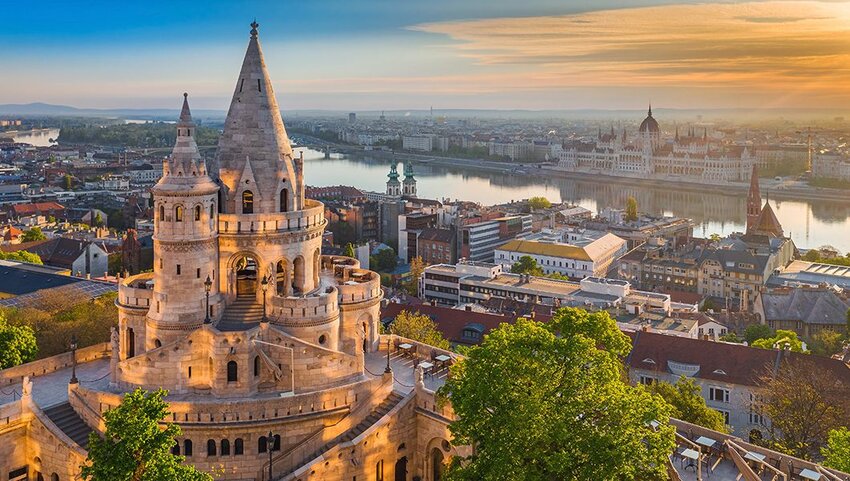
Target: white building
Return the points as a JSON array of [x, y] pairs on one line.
[[423, 143], [831, 166], [478, 241], [576, 261]]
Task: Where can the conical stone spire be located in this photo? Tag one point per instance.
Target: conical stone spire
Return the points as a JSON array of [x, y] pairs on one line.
[[753, 200], [185, 168], [254, 131]]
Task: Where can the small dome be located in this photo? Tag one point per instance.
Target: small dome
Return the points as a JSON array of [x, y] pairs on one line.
[[649, 124]]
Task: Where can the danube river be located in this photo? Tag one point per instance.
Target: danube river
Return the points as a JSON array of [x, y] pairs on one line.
[[809, 223], [35, 137]]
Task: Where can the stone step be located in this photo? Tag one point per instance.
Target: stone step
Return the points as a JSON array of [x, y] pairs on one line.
[[70, 423]]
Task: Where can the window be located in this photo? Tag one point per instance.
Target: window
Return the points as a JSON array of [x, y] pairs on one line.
[[225, 447], [178, 269], [276, 445], [725, 416], [178, 213], [379, 471], [162, 212], [211, 448], [198, 273], [232, 371], [247, 202], [256, 366], [262, 444], [284, 200], [718, 394], [238, 447], [197, 212], [756, 418], [175, 450], [646, 380]]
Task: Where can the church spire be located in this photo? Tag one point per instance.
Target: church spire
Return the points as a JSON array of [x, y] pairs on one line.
[[254, 129], [753, 199], [185, 161], [649, 112]]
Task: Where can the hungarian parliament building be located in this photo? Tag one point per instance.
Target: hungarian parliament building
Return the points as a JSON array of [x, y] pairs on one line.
[[648, 154]]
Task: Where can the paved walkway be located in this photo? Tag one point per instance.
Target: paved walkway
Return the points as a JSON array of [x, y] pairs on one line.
[[402, 366], [51, 389]]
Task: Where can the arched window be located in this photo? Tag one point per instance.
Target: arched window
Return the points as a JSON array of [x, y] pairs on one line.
[[437, 464], [247, 202], [232, 371], [284, 200], [175, 450], [54, 477], [276, 446], [238, 447], [178, 213], [197, 212], [161, 212], [157, 343], [262, 444], [225, 447], [211, 447], [187, 447], [256, 366], [212, 211]]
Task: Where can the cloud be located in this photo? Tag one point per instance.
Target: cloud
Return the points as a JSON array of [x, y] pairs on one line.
[[755, 54]]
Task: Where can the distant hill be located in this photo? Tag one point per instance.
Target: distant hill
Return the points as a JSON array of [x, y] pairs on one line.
[[43, 109]]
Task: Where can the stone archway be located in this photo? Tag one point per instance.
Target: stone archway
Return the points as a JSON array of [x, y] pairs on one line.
[[437, 457], [243, 274], [283, 278]]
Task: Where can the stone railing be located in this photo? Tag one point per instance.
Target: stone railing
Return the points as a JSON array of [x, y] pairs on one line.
[[91, 405], [317, 306], [359, 285], [312, 215], [15, 375], [10, 412], [133, 292]]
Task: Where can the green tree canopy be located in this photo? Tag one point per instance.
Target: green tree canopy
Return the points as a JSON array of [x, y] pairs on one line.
[[418, 327], [631, 214], [548, 401], [17, 344], [135, 447], [731, 337], [384, 260], [417, 267], [349, 250], [527, 265], [837, 451], [688, 404], [754, 332], [34, 234], [826, 343], [780, 340], [539, 203], [21, 256], [98, 220]]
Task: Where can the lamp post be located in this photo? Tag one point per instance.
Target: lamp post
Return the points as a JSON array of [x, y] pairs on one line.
[[270, 444], [74, 359], [265, 285], [207, 288], [388, 369]]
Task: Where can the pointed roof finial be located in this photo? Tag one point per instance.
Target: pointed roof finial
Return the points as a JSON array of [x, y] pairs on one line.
[[254, 26], [649, 113], [185, 113]]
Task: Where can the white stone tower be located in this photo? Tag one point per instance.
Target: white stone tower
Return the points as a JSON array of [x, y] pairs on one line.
[[393, 185], [409, 181], [185, 240]]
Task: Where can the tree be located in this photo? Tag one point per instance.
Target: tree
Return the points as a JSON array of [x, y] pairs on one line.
[[781, 339], [837, 451], [67, 182], [688, 404], [527, 265], [98, 220], [349, 250], [135, 447], [34, 234], [803, 403], [384, 260], [21, 256], [418, 327], [417, 267], [17, 344], [826, 343], [754, 332], [539, 203], [731, 337], [343, 233], [715, 237], [631, 209], [548, 401]]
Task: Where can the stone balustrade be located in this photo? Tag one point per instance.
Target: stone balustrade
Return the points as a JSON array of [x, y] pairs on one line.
[[92, 404], [135, 292], [358, 285], [313, 215], [15, 375], [317, 306]]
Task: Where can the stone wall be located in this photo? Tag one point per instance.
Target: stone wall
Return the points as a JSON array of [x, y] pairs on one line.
[[15, 375]]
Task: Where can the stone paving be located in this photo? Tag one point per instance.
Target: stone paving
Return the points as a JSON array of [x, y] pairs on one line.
[[51, 389], [402, 366]]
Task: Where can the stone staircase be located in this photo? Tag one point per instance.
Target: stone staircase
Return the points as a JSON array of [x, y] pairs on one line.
[[70, 423], [380, 411], [244, 313]]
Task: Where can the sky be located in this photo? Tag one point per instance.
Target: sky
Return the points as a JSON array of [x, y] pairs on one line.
[[416, 54]]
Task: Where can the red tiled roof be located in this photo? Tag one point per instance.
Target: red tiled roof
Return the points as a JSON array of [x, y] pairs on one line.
[[719, 361], [450, 322], [37, 208]]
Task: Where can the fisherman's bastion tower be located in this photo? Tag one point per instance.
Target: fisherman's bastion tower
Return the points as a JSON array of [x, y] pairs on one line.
[[269, 350]]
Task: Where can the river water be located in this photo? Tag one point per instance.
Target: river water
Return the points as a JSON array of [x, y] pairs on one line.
[[37, 137], [810, 223]]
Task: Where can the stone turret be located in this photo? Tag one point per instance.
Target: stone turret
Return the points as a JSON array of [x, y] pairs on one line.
[[753, 200], [185, 239], [254, 164]]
